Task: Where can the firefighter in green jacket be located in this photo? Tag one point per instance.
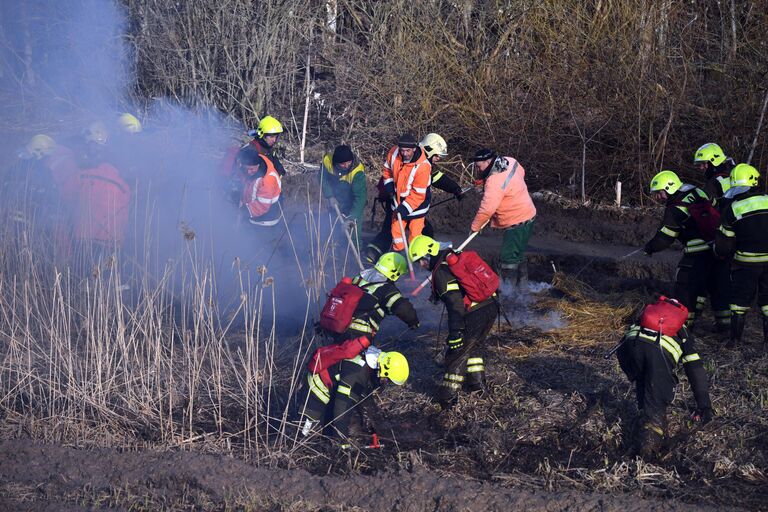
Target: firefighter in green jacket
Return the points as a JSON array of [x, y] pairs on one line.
[[342, 178], [695, 267], [744, 234]]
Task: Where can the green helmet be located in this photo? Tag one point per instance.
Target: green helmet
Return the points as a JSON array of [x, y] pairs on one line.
[[744, 175], [709, 152], [268, 126], [393, 366], [666, 180], [421, 246], [392, 265]]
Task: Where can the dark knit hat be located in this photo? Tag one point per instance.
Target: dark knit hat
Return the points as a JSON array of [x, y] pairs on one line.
[[483, 154], [342, 154], [407, 140]]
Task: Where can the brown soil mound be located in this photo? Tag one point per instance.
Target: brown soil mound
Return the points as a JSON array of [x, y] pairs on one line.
[[48, 477]]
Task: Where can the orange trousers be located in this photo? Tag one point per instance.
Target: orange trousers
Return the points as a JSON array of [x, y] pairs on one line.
[[414, 228]]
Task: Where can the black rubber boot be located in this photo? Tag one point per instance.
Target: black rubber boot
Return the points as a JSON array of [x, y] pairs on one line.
[[509, 275], [650, 442], [737, 330], [765, 333], [522, 274]]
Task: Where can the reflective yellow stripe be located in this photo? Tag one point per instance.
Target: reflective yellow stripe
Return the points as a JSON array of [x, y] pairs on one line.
[[764, 310], [393, 299], [475, 360], [318, 388], [751, 257], [344, 390], [667, 342], [739, 310], [436, 176], [453, 377], [727, 232], [749, 205], [669, 231], [691, 358], [475, 368], [451, 385], [672, 347], [359, 325]]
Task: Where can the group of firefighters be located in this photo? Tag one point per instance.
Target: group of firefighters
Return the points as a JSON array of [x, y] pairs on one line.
[[72, 194], [722, 227]]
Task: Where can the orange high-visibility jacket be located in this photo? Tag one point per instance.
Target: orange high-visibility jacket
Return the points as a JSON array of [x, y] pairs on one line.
[[103, 204], [263, 191], [505, 198], [412, 181]]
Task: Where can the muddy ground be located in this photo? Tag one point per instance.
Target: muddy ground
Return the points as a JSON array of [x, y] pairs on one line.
[[551, 434]]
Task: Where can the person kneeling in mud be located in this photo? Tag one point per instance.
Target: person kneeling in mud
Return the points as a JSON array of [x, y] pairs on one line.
[[649, 353], [467, 286], [341, 380]]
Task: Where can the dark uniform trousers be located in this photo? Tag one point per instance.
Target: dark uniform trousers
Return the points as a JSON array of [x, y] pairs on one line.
[[463, 364], [692, 280], [338, 407], [650, 367]]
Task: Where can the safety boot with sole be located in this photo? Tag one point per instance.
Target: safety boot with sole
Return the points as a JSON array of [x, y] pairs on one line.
[[737, 330]]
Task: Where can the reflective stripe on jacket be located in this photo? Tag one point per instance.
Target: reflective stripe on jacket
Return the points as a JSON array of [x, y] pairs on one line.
[[506, 201], [412, 180], [262, 192]]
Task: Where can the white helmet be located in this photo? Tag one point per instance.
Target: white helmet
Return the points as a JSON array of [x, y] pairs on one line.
[[433, 144]]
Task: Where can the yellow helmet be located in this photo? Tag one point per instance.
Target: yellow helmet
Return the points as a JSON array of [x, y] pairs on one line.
[[709, 152], [268, 126], [40, 145], [421, 246], [97, 132], [744, 175], [393, 366], [433, 144], [392, 265], [666, 180], [129, 123]]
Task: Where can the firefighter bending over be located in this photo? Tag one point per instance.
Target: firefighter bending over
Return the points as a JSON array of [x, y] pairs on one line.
[[649, 354], [467, 286]]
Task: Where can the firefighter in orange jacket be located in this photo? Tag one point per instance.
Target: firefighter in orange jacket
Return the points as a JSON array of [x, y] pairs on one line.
[[261, 190], [407, 177]]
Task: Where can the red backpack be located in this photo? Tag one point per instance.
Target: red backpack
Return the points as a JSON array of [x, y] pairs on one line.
[[705, 216], [666, 316], [474, 275], [340, 306], [325, 357]]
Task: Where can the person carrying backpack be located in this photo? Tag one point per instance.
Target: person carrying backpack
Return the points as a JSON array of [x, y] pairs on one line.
[[711, 160], [689, 218], [341, 378], [649, 353], [356, 307], [467, 286]]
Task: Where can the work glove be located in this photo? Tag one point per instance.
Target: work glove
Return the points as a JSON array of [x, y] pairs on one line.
[[349, 223], [414, 326], [703, 415], [647, 249], [389, 189], [459, 195], [401, 210]]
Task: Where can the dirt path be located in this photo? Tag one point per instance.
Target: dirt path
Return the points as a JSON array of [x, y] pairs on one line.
[[52, 477]]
